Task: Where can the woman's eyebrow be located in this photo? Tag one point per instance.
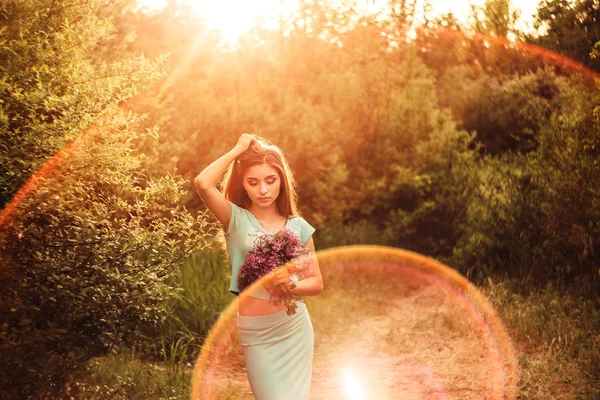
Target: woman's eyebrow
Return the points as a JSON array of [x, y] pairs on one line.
[[267, 177]]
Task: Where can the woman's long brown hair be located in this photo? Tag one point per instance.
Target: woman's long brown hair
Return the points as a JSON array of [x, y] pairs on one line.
[[261, 152]]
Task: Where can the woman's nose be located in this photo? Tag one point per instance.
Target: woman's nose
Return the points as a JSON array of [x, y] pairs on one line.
[[263, 189]]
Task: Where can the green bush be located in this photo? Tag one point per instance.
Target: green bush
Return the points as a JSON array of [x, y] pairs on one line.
[[52, 86], [536, 215], [88, 260], [508, 112]]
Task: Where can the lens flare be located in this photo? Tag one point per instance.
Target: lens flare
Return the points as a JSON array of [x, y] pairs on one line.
[[352, 386], [389, 323]]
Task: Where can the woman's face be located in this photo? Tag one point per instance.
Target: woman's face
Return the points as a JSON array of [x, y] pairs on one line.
[[262, 183]]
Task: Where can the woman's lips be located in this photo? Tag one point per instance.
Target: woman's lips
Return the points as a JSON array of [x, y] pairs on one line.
[[264, 198]]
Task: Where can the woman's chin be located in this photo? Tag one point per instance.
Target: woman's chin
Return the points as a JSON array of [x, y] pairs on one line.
[[264, 203]]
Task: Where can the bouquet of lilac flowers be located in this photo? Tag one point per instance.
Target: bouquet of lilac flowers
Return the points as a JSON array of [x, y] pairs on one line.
[[268, 254]]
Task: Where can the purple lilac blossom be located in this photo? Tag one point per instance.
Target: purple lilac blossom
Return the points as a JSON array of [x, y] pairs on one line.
[[271, 252]]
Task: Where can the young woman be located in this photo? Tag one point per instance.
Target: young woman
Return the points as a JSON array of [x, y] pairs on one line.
[[259, 198]]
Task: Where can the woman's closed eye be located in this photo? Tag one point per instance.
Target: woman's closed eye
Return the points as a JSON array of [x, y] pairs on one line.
[[270, 182]]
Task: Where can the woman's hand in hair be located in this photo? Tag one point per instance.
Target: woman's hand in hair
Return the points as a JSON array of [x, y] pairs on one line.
[[245, 141]]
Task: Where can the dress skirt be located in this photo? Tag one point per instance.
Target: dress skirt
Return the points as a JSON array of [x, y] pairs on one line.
[[278, 351]]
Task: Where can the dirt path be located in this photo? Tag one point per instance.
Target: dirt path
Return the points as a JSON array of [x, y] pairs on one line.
[[423, 347], [427, 341]]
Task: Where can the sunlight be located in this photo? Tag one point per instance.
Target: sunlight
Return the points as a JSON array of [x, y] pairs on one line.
[[352, 387], [151, 5], [234, 17]]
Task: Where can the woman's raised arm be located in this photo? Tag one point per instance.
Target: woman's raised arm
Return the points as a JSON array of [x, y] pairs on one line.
[[205, 183]]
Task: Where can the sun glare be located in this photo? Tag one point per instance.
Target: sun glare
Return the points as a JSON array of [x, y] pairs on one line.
[[234, 17], [352, 387]]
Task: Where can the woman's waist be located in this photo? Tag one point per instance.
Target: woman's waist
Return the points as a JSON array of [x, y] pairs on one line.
[[251, 306]]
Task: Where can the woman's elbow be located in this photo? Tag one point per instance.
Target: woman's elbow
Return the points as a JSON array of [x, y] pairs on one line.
[[200, 184], [318, 287]]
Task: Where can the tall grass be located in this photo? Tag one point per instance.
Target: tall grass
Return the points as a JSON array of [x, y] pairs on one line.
[[203, 294], [122, 376], [557, 336], [361, 232], [555, 332], [165, 372], [175, 355]]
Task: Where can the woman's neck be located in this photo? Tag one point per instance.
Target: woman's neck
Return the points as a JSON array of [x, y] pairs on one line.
[[265, 214]]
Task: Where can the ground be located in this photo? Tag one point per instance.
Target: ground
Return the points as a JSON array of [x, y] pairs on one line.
[[410, 336]]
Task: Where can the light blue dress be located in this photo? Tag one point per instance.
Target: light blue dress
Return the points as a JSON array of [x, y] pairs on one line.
[[278, 349]]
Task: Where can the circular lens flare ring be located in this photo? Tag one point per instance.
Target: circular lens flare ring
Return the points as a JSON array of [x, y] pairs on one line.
[[504, 381]]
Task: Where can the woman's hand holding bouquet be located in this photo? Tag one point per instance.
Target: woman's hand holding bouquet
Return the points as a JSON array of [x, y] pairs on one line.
[[285, 250]]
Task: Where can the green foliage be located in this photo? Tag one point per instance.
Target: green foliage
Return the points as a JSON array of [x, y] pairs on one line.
[[595, 53], [459, 87], [122, 376], [494, 17], [89, 259], [174, 356], [336, 234], [508, 113], [372, 126], [572, 29], [169, 350], [479, 45], [405, 132], [536, 215], [204, 291], [51, 88], [427, 214]]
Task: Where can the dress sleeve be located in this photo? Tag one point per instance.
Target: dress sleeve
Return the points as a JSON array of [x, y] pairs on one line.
[[236, 219], [306, 230]]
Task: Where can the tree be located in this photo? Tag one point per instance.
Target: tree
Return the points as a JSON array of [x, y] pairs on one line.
[[572, 28], [494, 18], [508, 113], [51, 86], [535, 216], [88, 257]]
